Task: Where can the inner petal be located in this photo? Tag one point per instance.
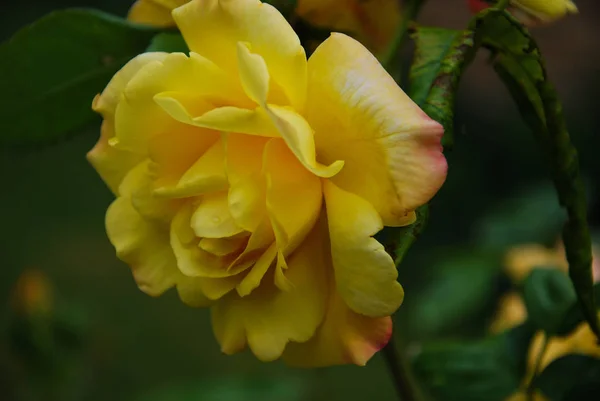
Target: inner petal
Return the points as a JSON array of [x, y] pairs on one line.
[[212, 218]]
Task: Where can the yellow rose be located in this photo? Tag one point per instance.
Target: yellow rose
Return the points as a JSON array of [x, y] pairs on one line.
[[253, 180], [372, 22]]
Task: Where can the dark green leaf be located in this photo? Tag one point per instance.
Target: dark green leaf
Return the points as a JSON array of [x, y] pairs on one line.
[[232, 388], [432, 46], [489, 370], [521, 67], [462, 289], [571, 378], [441, 57], [170, 42], [51, 70], [548, 295]]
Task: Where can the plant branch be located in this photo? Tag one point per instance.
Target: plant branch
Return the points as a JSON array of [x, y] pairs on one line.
[[400, 372], [536, 367]]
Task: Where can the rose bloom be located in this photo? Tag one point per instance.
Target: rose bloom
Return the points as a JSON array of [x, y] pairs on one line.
[[253, 180], [532, 12], [520, 261], [372, 22]]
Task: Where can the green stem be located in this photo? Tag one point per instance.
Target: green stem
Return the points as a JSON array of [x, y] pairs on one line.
[[536, 368], [400, 372], [389, 59]]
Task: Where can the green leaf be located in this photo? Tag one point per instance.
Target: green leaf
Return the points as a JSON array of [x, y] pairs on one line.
[[170, 42], [520, 66], [570, 378], [232, 388], [489, 369], [459, 293], [548, 294], [441, 57], [432, 46], [52, 69]]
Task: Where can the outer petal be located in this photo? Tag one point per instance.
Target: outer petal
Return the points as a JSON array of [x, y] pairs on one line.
[[365, 273], [392, 152], [214, 27], [344, 337], [268, 319], [143, 246], [113, 164], [139, 119]]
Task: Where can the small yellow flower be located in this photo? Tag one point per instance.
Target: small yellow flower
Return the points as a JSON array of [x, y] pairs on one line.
[[372, 22], [532, 12], [511, 311], [253, 180]]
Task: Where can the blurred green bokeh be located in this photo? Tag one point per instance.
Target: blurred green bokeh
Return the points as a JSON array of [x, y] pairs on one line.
[[132, 347]]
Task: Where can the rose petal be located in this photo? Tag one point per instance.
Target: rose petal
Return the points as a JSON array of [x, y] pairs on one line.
[[268, 319], [391, 149], [365, 273], [214, 27]]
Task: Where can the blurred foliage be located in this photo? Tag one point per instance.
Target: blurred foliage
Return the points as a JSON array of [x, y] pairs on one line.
[[44, 69]]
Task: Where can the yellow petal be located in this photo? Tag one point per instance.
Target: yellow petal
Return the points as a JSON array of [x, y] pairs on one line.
[[150, 12], [258, 271], [214, 27], [254, 74], [207, 174], [391, 149], [139, 118], [144, 246], [174, 153], [225, 119], [345, 337], [293, 196], [111, 164], [107, 101], [191, 260], [138, 186], [190, 292], [212, 218], [546, 10], [268, 319], [246, 181], [298, 135], [365, 273], [222, 246]]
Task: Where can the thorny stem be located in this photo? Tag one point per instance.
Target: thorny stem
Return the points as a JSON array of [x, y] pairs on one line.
[[536, 367]]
